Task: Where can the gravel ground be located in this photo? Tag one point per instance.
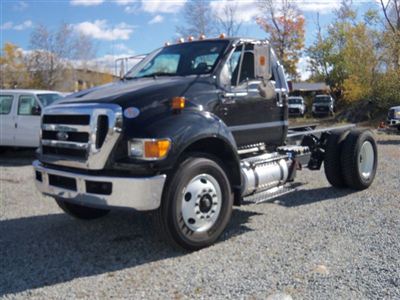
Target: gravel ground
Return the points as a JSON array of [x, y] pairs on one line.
[[318, 243]]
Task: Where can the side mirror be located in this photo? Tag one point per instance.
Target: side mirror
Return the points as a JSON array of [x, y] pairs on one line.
[[262, 65], [36, 111]]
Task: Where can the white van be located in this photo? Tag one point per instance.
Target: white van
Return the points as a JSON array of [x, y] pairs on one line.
[[20, 116]]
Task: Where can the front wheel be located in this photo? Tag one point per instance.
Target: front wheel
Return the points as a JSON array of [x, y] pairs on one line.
[[81, 212], [197, 204]]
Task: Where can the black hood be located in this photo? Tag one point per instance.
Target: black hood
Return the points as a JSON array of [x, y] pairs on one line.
[[135, 92]]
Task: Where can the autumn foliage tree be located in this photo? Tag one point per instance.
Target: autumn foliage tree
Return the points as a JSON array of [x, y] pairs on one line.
[[13, 68], [352, 57], [284, 24]]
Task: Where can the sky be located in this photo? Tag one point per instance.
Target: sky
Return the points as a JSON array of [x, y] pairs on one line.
[[129, 27]]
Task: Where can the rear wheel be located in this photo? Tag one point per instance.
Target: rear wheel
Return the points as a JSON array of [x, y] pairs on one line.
[[359, 159], [197, 204], [333, 153], [81, 212]]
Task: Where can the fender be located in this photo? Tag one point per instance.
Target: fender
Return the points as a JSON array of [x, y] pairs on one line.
[[188, 130]]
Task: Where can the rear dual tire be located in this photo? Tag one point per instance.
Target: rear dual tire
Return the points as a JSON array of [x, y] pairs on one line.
[[351, 159], [359, 159]]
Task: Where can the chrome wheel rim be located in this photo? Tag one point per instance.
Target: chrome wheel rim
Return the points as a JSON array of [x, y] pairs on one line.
[[366, 160], [201, 203]]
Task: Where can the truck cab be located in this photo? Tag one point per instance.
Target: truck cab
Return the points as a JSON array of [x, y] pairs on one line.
[[189, 131]]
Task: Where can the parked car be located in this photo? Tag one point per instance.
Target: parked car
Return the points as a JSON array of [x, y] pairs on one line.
[[393, 118], [297, 107], [20, 112], [323, 105]]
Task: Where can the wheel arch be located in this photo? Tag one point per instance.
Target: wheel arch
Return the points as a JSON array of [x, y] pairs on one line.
[[225, 153]]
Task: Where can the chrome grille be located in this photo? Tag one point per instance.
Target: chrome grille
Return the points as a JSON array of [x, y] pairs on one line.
[[80, 135]]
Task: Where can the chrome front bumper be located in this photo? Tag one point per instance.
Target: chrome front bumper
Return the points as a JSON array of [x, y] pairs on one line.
[[140, 193]]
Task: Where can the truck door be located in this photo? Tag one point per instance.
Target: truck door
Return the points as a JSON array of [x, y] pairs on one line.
[[7, 120], [28, 121], [251, 117]]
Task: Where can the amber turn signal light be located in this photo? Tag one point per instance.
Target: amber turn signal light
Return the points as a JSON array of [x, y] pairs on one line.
[[156, 149], [178, 103], [262, 60]]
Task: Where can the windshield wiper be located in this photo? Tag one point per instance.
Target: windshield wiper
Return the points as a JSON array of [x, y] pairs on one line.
[[154, 75]]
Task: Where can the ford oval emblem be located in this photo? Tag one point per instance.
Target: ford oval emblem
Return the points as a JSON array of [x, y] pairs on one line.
[[131, 112], [62, 136]]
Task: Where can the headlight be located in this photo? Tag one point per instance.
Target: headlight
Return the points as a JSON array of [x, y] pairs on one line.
[[149, 149]]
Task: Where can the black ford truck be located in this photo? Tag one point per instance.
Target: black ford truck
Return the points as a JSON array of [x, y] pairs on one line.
[[190, 131]]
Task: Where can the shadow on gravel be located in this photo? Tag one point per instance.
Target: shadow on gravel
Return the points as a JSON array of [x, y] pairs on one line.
[[19, 157], [45, 250], [389, 142], [304, 197]]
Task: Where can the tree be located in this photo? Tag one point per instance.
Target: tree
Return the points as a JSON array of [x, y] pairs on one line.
[[227, 18], [335, 57], [13, 69], [391, 11], [284, 24], [53, 52], [198, 19]]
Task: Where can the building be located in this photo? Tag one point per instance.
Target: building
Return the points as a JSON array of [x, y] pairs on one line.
[[309, 89]]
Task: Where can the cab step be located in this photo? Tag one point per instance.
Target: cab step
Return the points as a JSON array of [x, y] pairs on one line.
[[270, 194]]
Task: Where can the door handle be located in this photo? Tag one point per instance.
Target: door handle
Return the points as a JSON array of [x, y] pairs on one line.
[[228, 100], [16, 125]]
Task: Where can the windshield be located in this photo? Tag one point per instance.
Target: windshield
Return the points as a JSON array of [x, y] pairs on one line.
[[47, 99], [325, 99], [295, 101], [180, 60]]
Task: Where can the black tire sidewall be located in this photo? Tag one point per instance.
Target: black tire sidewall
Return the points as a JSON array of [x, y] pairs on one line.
[[190, 168], [333, 153], [351, 151]]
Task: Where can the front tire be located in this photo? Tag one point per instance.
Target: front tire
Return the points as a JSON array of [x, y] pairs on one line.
[[359, 159], [197, 204], [81, 212]]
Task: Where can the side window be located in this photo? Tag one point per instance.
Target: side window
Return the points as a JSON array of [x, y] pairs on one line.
[[5, 104], [247, 70], [241, 68], [27, 106], [234, 65]]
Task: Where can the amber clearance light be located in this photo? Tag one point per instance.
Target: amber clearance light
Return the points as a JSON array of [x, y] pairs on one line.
[[178, 103]]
